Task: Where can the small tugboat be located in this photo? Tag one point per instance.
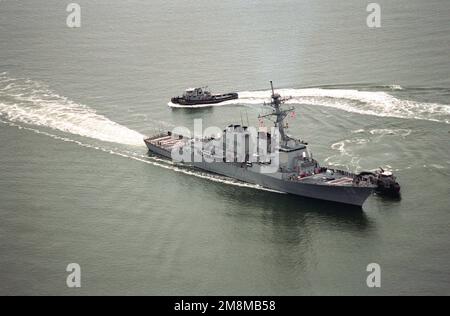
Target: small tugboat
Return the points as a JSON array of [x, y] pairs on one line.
[[196, 96], [385, 180]]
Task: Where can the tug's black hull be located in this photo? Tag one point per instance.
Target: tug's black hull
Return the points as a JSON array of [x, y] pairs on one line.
[[213, 100]]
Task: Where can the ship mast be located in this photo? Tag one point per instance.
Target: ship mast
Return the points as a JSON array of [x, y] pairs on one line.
[[279, 113]]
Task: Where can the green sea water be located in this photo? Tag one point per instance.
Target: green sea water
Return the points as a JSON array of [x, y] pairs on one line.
[[77, 185]]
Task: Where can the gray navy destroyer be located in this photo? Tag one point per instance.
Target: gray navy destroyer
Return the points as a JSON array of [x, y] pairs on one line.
[[295, 172]]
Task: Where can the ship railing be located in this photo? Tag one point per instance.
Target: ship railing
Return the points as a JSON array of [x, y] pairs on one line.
[[342, 172]]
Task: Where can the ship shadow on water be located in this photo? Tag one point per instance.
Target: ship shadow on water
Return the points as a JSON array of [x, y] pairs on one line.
[[285, 208], [291, 210], [388, 199]]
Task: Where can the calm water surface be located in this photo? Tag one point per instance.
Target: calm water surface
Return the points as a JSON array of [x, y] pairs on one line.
[[76, 184]]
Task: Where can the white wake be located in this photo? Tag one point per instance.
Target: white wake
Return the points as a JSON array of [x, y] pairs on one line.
[[27, 101], [377, 103]]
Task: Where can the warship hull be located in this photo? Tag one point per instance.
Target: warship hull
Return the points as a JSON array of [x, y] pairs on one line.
[[341, 194], [351, 195]]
